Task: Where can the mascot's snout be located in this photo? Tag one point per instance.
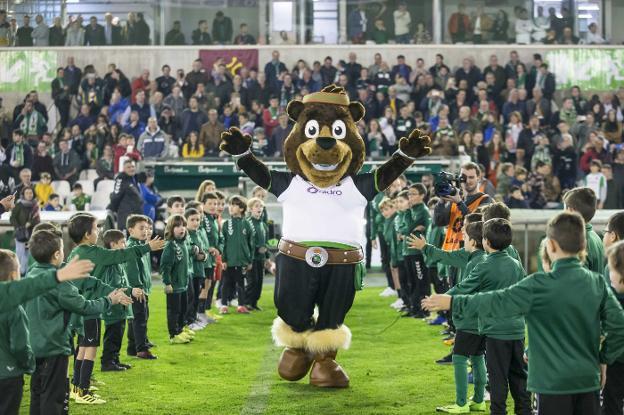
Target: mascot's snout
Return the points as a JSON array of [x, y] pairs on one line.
[[326, 141]]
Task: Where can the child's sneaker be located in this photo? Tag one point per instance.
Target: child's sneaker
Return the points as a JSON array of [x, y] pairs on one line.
[[96, 382], [438, 321], [73, 392], [179, 340], [189, 331], [242, 310], [223, 310], [87, 398], [477, 407], [195, 327], [454, 409], [219, 303], [388, 292], [212, 315], [449, 342], [234, 302]]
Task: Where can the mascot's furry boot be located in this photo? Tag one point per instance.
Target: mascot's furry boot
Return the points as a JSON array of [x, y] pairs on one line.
[[316, 349]]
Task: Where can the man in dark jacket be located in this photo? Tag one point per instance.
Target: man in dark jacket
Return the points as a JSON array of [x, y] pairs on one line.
[[60, 95], [66, 163], [126, 198], [222, 28], [72, 76], [175, 36], [142, 31], [273, 69], [18, 154], [112, 32], [94, 33], [200, 35]]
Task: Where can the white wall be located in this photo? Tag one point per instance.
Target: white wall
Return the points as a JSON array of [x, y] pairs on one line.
[[617, 17]]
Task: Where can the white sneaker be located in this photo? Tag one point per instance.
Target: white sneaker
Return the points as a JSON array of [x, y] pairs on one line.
[[202, 318], [219, 303], [195, 327], [234, 302], [388, 292], [398, 304]]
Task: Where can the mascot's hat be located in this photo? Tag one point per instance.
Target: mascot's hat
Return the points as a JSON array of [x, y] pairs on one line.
[[337, 97]]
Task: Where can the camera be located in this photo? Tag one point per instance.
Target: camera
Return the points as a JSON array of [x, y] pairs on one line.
[[448, 184]]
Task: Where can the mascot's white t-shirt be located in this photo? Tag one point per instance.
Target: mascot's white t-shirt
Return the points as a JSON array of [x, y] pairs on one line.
[[332, 214]]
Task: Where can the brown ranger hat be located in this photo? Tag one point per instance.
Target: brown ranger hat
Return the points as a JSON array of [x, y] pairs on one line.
[[327, 98]]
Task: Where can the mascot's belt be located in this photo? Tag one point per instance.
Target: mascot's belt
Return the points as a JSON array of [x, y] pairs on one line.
[[318, 256]]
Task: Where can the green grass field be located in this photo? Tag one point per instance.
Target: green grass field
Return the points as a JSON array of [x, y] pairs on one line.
[[231, 369]]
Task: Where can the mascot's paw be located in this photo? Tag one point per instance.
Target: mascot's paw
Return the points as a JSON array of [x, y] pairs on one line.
[[234, 142], [417, 144]]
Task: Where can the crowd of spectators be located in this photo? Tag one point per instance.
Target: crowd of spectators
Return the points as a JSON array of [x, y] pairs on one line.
[[533, 141]]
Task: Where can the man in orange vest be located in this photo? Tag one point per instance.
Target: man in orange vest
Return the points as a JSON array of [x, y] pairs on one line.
[[450, 212]]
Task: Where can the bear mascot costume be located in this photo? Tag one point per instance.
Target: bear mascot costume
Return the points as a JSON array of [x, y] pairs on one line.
[[319, 263]]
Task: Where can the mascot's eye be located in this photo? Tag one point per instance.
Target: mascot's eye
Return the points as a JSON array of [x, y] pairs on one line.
[[339, 129], [312, 129]]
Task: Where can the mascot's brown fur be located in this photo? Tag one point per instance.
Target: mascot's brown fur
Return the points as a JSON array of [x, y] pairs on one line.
[[324, 149]]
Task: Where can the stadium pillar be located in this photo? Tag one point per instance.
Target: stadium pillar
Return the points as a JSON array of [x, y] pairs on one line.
[[263, 22], [437, 21], [342, 22], [302, 19]]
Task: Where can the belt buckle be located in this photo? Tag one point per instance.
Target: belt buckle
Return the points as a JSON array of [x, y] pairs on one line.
[[316, 256]]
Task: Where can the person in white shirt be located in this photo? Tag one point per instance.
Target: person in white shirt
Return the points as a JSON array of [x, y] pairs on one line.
[[597, 181], [593, 36], [402, 21], [524, 27]]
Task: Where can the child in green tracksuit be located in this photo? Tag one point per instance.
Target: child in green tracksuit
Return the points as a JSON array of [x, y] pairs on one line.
[[83, 231], [582, 200], [16, 356], [388, 211], [567, 311], [402, 230], [612, 392], [469, 344], [174, 269], [498, 210], [435, 237], [198, 254], [255, 277], [417, 222], [139, 273], [238, 248], [215, 247], [49, 328], [115, 318]]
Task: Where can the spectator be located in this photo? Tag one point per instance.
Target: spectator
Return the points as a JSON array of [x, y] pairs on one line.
[[210, 133], [222, 29], [568, 37], [152, 143], [165, 82], [592, 37], [130, 32], [542, 151], [112, 32], [500, 28], [278, 135], [566, 114], [61, 96], [422, 35], [151, 199], [192, 118], [465, 122], [31, 122], [546, 81], [597, 181], [193, 148], [134, 127], [499, 72], [127, 198], [175, 100], [175, 37], [512, 105], [269, 116], [512, 135], [328, 71], [24, 217], [66, 163], [260, 145], [614, 193], [357, 24], [459, 25], [125, 150], [41, 33], [468, 72], [142, 107], [516, 199], [23, 36], [117, 107], [523, 27], [200, 35], [612, 127], [79, 200], [142, 31], [353, 69], [42, 162], [504, 179], [43, 189], [5, 30], [142, 83], [104, 166], [243, 37], [401, 68], [481, 24], [197, 76], [18, 153], [94, 33], [273, 69], [25, 180], [84, 119], [75, 35]]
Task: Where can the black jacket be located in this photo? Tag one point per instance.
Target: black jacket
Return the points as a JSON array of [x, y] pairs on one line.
[[126, 199], [94, 36]]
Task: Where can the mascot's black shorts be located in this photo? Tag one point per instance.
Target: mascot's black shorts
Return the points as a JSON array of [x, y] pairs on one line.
[[299, 287]]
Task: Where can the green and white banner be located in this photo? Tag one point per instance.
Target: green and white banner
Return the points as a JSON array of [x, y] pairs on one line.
[[22, 71], [597, 69]]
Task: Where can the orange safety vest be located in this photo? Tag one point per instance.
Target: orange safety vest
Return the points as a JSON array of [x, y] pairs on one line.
[[454, 237]]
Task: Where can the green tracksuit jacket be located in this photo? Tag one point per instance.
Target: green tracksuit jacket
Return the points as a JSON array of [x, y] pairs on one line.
[[16, 355], [196, 239], [15, 293], [261, 231], [115, 276], [595, 260], [401, 228], [139, 268], [238, 242], [497, 271], [390, 236], [418, 216], [215, 240], [565, 310], [174, 264], [49, 314]]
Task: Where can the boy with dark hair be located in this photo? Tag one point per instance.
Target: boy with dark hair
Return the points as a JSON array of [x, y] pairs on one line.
[[54, 203], [255, 276], [402, 229], [139, 273], [388, 211], [437, 270], [79, 200], [469, 344], [176, 205], [567, 382], [238, 246], [498, 210], [115, 318], [215, 247], [583, 201], [84, 231], [48, 316]]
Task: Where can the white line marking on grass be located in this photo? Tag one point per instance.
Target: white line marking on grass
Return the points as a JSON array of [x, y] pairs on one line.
[[258, 397]]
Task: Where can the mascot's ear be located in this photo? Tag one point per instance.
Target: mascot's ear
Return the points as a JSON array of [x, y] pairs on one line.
[[294, 109], [357, 111]]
